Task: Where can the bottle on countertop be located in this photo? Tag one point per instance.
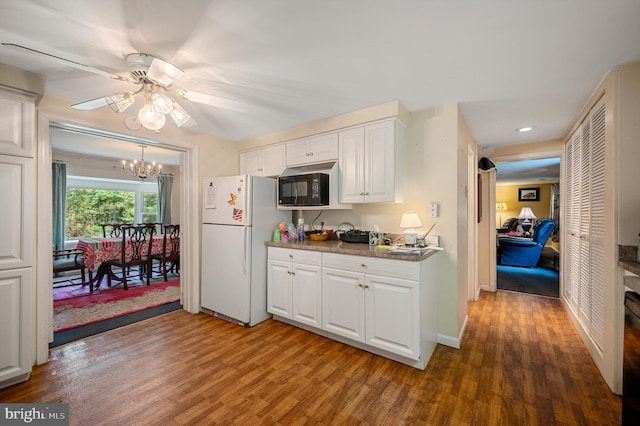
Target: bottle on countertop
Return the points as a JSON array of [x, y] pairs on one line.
[[300, 229]]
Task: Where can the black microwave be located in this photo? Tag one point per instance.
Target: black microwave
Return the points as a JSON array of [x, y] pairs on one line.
[[304, 190]]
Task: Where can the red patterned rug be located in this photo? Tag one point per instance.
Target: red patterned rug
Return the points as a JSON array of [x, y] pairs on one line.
[[75, 306]]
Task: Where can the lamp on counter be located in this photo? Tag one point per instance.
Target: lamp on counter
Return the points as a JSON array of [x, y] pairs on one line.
[[410, 221], [526, 214], [501, 207]]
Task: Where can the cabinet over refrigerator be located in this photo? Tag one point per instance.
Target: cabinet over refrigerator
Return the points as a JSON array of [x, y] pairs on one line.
[[239, 216]]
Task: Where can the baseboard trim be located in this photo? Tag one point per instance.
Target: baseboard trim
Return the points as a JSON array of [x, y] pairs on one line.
[[454, 342]]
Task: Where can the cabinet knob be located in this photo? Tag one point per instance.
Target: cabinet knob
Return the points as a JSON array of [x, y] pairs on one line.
[[293, 273], [362, 265], [311, 154], [366, 193], [306, 154], [362, 193], [291, 256], [360, 285], [366, 286]]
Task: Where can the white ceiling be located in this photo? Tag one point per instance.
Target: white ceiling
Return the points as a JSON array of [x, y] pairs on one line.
[[545, 170], [508, 63]]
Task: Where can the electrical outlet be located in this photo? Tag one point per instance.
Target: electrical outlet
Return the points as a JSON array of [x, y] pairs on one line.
[[433, 208]]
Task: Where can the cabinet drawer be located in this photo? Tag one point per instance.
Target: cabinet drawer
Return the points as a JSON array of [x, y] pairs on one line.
[[373, 265], [308, 257]]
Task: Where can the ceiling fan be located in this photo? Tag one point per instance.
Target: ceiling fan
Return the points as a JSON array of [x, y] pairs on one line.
[[155, 78]]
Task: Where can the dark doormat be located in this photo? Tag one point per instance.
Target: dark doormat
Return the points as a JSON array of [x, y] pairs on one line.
[[540, 281], [81, 332]]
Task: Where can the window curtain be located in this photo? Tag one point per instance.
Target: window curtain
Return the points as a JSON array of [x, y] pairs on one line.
[[555, 210], [59, 202], [165, 184]]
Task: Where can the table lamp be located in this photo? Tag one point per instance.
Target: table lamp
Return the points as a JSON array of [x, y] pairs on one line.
[[410, 221], [526, 214]]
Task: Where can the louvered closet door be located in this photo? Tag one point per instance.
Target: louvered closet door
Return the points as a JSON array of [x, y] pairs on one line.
[[572, 283], [584, 299], [597, 230]]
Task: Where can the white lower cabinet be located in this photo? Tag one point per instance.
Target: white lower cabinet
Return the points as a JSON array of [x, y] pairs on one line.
[[376, 308], [384, 306], [294, 285]]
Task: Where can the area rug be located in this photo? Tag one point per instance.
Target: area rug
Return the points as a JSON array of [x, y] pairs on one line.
[[76, 311], [540, 281]]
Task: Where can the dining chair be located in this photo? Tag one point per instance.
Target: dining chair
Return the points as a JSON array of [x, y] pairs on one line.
[[170, 251], [70, 260], [112, 230], [139, 238]]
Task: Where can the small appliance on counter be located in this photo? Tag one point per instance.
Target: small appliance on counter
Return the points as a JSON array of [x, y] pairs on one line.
[[355, 236]]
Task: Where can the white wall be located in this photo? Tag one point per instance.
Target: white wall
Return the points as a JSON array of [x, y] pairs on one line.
[[628, 132]]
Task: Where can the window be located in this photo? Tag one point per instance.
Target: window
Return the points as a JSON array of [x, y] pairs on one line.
[[92, 201]]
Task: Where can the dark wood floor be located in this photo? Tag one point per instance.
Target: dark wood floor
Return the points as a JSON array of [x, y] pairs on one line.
[[521, 362]]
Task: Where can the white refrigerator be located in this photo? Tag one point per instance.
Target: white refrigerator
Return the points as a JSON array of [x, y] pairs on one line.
[[239, 215]]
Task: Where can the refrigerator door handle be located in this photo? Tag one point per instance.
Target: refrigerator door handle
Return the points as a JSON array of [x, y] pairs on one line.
[[246, 246]]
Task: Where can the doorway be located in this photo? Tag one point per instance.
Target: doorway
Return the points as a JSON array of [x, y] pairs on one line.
[[189, 213], [528, 258]]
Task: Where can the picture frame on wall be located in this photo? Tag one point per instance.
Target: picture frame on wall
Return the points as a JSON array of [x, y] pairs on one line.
[[528, 194]]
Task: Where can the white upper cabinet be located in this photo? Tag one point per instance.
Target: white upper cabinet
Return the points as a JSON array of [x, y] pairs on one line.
[[268, 161], [313, 150], [367, 157], [17, 123]]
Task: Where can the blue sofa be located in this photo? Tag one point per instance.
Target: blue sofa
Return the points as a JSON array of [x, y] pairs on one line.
[[525, 252]]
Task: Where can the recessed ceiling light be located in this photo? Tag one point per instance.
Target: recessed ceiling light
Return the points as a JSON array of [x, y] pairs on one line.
[[525, 129]]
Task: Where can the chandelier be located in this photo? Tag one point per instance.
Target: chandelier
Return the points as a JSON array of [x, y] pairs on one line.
[[140, 169], [152, 114]]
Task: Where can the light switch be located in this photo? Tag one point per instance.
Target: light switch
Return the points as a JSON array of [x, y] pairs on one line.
[[434, 209]]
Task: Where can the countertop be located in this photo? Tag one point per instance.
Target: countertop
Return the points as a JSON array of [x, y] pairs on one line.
[[337, 246], [630, 266], [627, 259]]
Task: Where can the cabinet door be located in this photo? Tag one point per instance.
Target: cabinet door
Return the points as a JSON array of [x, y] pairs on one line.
[[343, 303], [379, 164], [393, 315], [351, 166], [323, 148], [17, 111], [273, 160], [297, 152], [15, 325], [250, 162], [279, 288], [16, 216], [307, 295]]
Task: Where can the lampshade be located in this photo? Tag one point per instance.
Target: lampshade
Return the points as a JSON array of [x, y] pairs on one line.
[[120, 101], [410, 221], [526, 214]]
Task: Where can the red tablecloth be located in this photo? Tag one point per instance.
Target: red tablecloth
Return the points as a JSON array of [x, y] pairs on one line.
[[97, 250]]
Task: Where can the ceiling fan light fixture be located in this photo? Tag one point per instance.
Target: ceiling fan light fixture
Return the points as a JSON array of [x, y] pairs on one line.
[[149, 117], [178, 114], [162, 103], [119, 102]]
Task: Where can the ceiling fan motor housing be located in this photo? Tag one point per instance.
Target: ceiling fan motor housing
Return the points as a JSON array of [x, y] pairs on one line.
[[139, 64]]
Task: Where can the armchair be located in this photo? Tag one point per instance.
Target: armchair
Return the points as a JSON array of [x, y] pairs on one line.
[[525, 252], [69, 260]]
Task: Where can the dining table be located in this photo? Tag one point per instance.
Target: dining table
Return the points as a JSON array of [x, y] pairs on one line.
[[98, 251]]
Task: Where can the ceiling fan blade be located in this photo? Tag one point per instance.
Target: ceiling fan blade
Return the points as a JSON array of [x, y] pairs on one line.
[[92, 104], [215, 101], [163, 72], [67, 62]]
